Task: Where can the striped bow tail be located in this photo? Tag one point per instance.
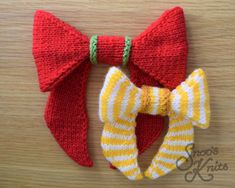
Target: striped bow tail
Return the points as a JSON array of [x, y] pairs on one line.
[[119, 103], [189, 104]]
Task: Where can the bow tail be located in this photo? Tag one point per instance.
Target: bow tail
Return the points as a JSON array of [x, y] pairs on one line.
[[119, 103], [119, 148], [149, 127], [66, 115], [189, 107], [175, 148]]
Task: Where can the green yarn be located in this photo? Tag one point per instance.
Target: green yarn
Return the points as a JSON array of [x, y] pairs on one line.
[[126, 51], [93, 49]]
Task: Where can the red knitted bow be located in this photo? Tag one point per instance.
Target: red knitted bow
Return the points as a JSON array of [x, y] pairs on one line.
[[158, 57]]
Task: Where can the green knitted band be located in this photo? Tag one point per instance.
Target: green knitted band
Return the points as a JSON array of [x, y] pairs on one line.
[[93, 49], [126, 51]]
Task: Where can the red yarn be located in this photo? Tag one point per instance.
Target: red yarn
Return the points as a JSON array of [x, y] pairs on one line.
[[158, 57]]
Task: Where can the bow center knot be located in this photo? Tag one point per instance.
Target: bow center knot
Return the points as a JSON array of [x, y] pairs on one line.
[[155, 100], [112, 50]]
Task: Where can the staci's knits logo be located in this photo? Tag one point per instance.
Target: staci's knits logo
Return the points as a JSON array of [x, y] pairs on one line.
[[201, 163]]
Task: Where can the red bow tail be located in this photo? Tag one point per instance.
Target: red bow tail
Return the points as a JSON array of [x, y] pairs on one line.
[[57, 51]]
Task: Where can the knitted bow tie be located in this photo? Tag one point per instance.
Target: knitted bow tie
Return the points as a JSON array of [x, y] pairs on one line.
[[120, 102], [64, 57]]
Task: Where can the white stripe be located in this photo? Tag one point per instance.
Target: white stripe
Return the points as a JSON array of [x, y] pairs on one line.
[[133, 177], [112, 98], [176, 102], [125, 103], [189, 92], [154, 175], [107, 134], [106, 83], [202, 101], [181, 153], [118, 147], [163, 168], [137, 102], [128, 167], [122, 157], [180, 133], [166, 160], [156, 101], [198, 79], [178, 142], [179, 124], [122, 126], [179, 162]]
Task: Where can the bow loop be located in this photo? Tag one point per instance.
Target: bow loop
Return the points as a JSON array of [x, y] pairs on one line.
[[120, 100], [160, 51], [191, 100], [163, 48], [58, 48]]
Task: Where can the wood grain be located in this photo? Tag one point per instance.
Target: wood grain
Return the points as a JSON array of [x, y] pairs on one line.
[[29, 156]]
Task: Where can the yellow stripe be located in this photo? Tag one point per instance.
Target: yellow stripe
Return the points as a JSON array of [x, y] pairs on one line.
[[179, 137], [118, 100], [165, 164], [126, 123], [173, 148], [116, 141], [131, 172], [176, 119], [158, 170], [131, 103], [115, 77], [147, 174], [115, 153], [113, 129], [185, 127], [139, 177], [124, 163], [161, 106], [152, 98]]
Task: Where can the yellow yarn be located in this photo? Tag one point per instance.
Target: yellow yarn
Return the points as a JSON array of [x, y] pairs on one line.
[[120, 102]]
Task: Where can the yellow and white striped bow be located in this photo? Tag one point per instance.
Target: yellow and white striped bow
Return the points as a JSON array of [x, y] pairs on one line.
[[119, 103]]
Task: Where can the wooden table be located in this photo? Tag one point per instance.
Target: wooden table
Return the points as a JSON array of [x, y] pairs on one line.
[[29, 155]]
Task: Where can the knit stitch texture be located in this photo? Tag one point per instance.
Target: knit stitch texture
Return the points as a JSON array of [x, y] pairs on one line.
[[157, 57], [119, 103]]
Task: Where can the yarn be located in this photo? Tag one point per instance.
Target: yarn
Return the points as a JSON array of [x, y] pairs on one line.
[[93, 49], [157, 57], [119, 103], [126, 51]]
